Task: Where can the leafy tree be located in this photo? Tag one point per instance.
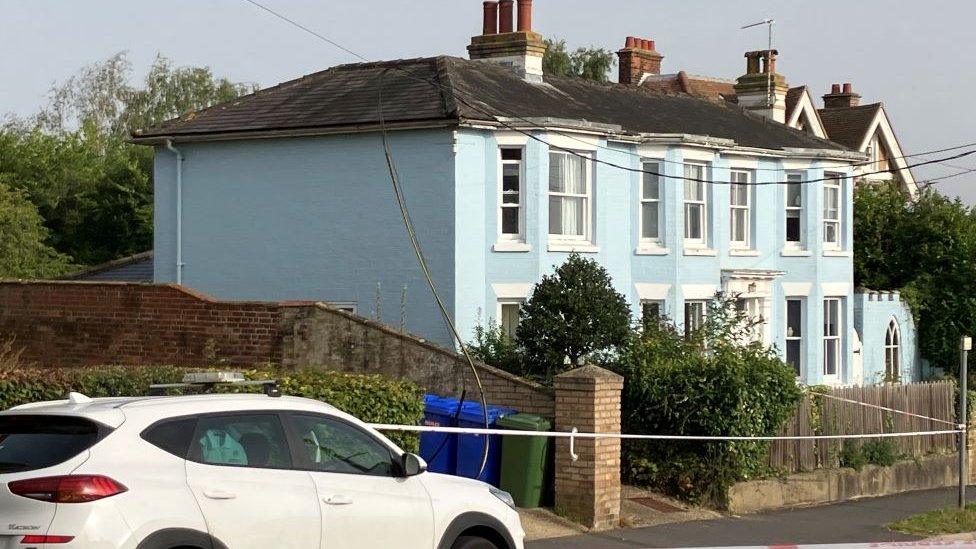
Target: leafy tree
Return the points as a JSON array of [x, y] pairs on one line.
[[571, 314], [588, 63], [715, 383], [23, 251], [93, 188], [927, 249], [494, 347]]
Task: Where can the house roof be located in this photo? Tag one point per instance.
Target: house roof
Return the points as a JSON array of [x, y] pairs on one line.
[[134, 268], [348, 96], [849, 125], [793, 96], [715, 89]]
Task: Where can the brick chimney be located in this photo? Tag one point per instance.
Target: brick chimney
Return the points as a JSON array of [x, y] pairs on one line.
[[841, 97], [501, 43], [761, 89], [638, 58]]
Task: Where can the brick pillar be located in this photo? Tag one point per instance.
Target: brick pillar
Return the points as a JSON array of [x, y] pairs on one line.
[[588, 490]]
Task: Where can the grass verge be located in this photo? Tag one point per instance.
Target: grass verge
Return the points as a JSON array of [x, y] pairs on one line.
[[950, 520]]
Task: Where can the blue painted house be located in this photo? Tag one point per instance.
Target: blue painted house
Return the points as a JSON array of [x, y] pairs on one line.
[[285, 195]]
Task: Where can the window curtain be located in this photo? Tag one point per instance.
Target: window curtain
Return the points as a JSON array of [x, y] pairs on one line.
[[566, 176]]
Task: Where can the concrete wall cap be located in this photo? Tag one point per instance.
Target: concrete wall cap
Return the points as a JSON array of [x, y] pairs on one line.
[[590, 372]]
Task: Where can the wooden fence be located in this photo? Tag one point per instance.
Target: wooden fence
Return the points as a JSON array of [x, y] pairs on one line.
[[820, 415]]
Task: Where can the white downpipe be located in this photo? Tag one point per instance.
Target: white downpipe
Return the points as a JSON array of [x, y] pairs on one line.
[[179, 211]]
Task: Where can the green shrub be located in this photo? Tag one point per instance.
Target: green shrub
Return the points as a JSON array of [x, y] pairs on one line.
[[711, 384], [371, 398], [873, 451], [493, 347]]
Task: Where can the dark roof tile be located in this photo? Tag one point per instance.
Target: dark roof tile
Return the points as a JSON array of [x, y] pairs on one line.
[[849, 125]]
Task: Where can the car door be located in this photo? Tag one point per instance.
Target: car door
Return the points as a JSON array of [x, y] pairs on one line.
[[365, 503], [240, 470]]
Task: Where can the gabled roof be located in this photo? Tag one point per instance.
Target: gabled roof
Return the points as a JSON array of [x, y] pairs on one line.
[[849, 126], [453, 90], [800, 110]]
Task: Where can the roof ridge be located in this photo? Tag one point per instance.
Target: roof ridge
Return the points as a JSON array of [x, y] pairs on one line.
[[389, 63]]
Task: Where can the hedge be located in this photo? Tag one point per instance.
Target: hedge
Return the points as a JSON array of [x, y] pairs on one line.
[[371, 398]]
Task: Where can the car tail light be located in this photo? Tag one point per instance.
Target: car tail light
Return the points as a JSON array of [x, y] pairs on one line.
[[67, 489], [47, 539]]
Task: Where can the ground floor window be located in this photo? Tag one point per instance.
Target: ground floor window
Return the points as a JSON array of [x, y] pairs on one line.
[[831, 337], [753, 307], [694, 316], [508, 316], [794, 335], [651, 311], [892, 352]]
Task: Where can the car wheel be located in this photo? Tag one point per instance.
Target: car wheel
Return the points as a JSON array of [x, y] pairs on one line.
[[473, 542]]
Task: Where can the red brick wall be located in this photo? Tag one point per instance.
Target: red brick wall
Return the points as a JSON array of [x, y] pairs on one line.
[[83, 324]]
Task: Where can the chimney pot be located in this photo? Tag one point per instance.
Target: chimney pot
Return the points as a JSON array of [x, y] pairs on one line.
[[505, 16], [491, 18], [645, 44], [631, 42], [848, 88], [525, 15], [835, 88], [650, 45]]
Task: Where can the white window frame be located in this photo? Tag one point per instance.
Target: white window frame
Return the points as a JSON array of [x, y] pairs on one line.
[[789, 336], [832, 343], [892, 349], [647, 302], [741, 178], [502, 206], [833, 182], [754, 308], [698, 242], [499, 318], [793, 178], [652, 166], [691, 327], [587, 236]]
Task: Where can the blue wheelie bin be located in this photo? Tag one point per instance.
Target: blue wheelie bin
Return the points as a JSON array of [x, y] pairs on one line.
[[470, 448], [439, 450]]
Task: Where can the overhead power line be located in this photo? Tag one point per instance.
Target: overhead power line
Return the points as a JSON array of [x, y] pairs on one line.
[[460, 98]]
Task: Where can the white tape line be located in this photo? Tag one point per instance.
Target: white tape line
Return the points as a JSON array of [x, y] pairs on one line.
[[902, 412], [575, 435]]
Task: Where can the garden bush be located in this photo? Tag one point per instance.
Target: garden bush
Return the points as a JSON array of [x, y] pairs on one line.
[[371, 398], [713, 383]]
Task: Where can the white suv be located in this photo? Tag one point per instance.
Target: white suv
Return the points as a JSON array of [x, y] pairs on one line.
[[228, 472]]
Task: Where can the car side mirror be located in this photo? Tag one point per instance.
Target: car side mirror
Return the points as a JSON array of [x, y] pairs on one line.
[[412, 465]]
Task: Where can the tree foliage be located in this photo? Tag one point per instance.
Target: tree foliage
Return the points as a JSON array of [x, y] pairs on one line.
[[572, 313], [715, 383], [92, 188], [588, 63], [927, 249], [23, 251]]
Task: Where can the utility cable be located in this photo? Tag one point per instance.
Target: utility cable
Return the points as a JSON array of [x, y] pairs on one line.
[[424, 267]]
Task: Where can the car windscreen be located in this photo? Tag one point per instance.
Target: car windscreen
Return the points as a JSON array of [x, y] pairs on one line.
[[34, 442]]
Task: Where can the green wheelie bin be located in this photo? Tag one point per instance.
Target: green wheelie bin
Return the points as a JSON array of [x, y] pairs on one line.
[[525, 460]]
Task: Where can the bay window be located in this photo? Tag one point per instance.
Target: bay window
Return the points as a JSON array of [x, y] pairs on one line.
[[741, 209], [696, 203], [570, 197], [832, 211]]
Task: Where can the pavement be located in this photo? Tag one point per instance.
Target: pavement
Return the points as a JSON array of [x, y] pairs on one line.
[[859, 521]]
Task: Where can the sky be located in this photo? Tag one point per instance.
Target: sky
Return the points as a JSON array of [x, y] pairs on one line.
[[915, 57]]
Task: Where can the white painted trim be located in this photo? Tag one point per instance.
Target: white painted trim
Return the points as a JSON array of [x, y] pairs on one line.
[[582, 247], [835, 289], [805, 106], [574, 143], [744, 253], [796, 165], [511, 291], [704, 252], [509, 246], [797, 289], [837, 253], [881, 124], [511, 139], [795, 252], [737, 162], [647, 249], [697, 155], [698, 291], [652, 292]]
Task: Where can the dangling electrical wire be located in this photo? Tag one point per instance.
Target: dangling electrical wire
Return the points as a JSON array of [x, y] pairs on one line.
[[418, 251]]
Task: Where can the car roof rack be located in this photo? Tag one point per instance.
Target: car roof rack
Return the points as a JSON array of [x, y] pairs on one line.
[[206, 382]]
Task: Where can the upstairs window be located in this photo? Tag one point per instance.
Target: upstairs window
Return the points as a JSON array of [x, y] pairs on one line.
[[696, 205], [832, 211], [510, 211], [878, 154], [570, 197], [650, 212], [741, 209], [794, 210]]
